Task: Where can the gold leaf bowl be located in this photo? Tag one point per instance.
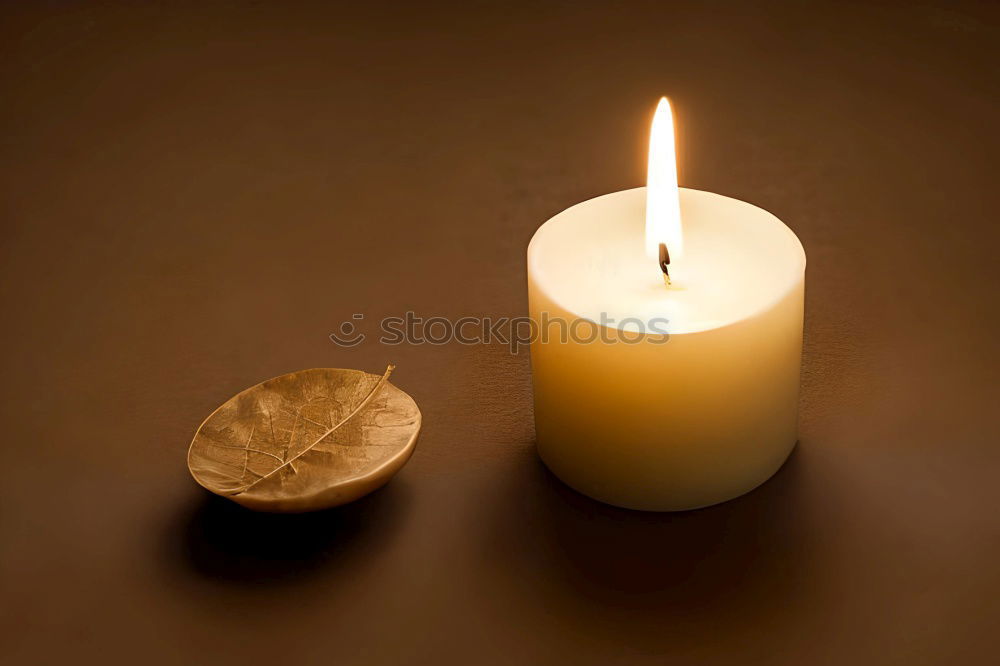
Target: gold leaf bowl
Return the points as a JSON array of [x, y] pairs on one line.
[[306, 441]]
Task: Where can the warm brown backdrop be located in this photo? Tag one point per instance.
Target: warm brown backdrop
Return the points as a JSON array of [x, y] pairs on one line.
[[194, 196]]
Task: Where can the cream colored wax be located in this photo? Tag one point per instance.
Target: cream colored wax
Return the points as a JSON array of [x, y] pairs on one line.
[[659, 422]]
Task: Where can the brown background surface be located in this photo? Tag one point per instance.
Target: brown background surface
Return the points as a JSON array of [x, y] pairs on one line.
[[193, 197]]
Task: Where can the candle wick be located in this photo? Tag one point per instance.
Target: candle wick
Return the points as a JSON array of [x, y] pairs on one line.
[[665, 263]]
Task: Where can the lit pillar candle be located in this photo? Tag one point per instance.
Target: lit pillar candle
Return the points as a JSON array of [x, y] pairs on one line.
[[664, 394]]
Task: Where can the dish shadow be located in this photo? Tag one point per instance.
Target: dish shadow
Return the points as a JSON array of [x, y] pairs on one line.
[[631, 575], [221, 541]]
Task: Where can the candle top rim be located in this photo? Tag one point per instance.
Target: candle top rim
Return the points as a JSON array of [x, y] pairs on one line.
[[582, 260]]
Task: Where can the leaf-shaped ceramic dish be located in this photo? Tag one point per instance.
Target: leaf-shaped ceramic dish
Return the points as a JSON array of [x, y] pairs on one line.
[[305, 441]]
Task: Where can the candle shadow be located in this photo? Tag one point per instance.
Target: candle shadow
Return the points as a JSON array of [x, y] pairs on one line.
[[217, 540], [630, 574]]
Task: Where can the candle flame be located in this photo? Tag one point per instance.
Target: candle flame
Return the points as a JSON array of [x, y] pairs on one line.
[[663, 206]]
